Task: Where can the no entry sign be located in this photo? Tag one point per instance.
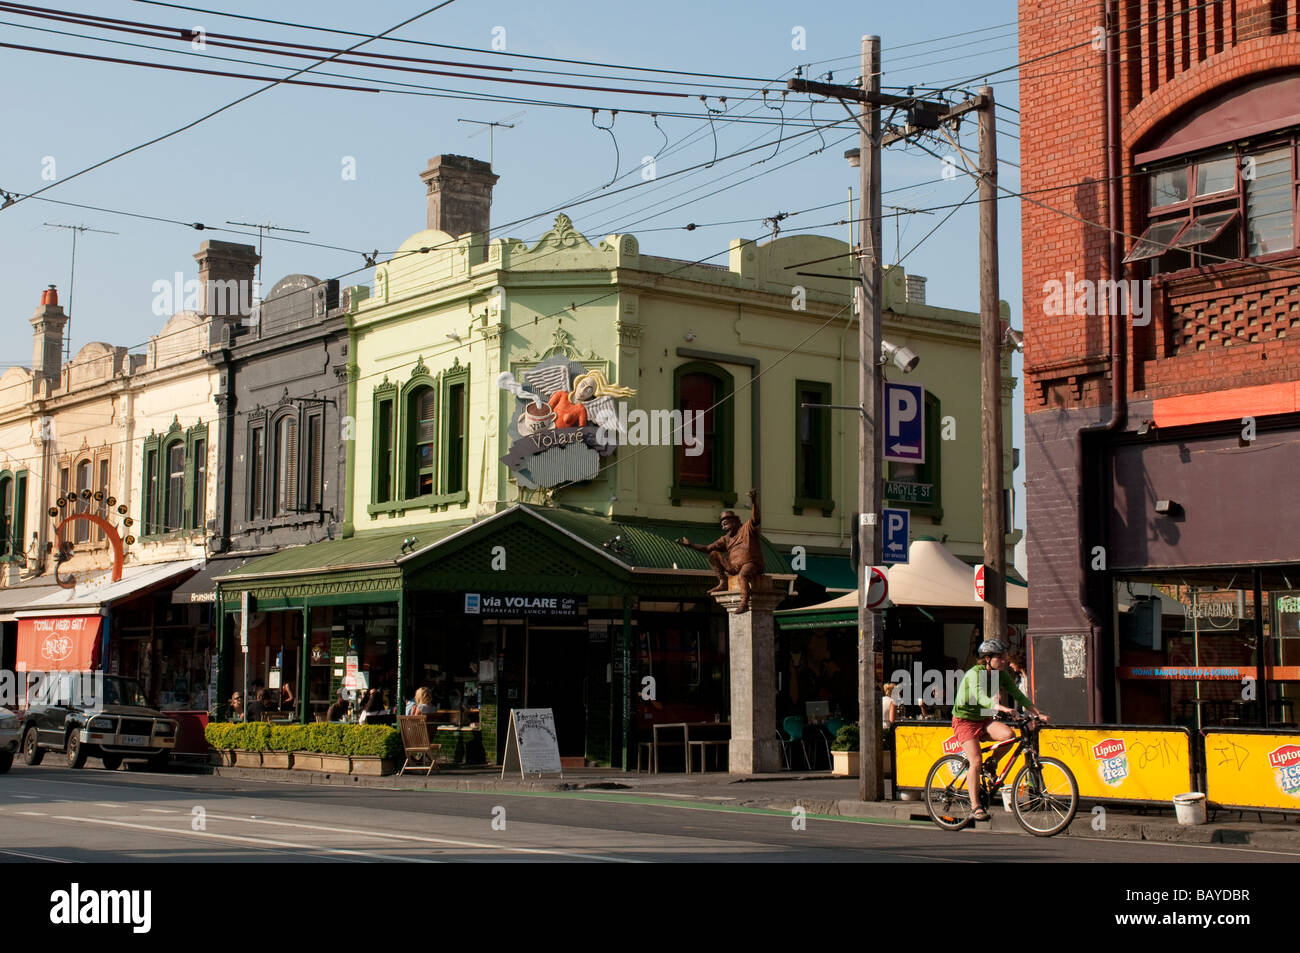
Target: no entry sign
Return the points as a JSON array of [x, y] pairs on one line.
[[877, 588], [979, 583]]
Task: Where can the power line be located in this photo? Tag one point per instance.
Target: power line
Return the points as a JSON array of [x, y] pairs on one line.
[[450, 46], [230, 105]]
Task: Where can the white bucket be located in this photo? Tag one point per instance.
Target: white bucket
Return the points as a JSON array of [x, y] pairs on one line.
[[1190, 808], [1007, 794]]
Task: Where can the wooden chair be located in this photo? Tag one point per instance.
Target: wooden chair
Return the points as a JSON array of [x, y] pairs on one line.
[[420, 752]]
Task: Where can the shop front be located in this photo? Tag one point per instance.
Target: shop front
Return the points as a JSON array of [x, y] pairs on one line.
[[932, 628], [1208, 648], [606, 624], [128, 627]]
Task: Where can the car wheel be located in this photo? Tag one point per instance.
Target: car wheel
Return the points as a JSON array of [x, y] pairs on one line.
[[76, 750], [32, 750], [112, 761], [6, 761], [160, 761]]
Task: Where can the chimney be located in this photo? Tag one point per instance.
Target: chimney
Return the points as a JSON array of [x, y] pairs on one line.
[[47, 325], [460, 197], [227, 272], [915, 289]]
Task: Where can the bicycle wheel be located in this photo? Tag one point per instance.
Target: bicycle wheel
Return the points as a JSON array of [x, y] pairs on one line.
[[946, 796], [1045, 797]]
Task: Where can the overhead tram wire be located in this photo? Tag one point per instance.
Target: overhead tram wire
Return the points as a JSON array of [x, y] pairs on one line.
[[190, 125], [414, 88], [451, 46]]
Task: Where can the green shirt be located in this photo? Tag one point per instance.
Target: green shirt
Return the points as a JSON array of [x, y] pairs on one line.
[[971, 703]]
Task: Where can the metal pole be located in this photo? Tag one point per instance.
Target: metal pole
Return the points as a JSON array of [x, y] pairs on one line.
[[870, 787], [995, 519]]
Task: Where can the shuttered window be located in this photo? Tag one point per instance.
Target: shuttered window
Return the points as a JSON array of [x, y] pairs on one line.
[[174, 504], [314, 462], [286, 448], [257, 472]]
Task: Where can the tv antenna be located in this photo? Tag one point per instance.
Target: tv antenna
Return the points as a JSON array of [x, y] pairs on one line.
[[72, 278], [509, 122], [265, 227]]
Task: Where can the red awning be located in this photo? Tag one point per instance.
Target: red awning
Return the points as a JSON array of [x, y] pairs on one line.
[[58, 644]]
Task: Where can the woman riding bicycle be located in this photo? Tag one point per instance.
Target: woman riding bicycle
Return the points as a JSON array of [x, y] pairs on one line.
[[976, 702]]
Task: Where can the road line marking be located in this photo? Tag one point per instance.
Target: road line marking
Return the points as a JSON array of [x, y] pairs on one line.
[[428, 840], [260, 841], [30, 856], [30, 813], [157, 810], [27, 797]]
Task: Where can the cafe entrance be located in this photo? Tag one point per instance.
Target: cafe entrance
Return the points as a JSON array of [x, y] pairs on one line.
[[555, 663]]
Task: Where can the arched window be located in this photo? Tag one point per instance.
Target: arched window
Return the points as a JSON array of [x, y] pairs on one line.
[[285, 467], [174, 486], [81, 529], [422, 441], [704, 448]]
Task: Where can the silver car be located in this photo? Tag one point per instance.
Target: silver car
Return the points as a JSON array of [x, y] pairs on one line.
[[9, 732]]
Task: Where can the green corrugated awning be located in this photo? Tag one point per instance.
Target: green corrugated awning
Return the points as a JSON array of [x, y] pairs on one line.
[[650, 545], [819, 620], [833, 573], [374, 549]]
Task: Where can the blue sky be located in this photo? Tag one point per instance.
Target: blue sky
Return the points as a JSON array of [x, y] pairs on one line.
[[280, 157]]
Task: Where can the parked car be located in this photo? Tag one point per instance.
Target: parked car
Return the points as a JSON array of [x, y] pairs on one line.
[[10, 732], [111, 726]]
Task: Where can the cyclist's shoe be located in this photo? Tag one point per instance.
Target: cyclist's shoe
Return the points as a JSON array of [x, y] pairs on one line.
[[979, 814]]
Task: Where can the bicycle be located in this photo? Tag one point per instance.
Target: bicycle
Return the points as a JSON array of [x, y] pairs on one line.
[[1045, 794]]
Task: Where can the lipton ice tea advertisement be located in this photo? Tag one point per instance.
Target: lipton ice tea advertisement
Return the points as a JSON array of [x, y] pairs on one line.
[[918, 747], [1253, 770], [1130, 764]]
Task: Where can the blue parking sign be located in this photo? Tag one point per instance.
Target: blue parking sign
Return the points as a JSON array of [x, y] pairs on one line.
[[893, 546], [904, 422]]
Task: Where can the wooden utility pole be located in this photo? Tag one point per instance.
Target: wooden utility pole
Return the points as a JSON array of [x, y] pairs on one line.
[[995, 518], [871, 435]]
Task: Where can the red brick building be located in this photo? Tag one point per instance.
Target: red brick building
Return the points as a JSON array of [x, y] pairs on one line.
[[1159, 148]]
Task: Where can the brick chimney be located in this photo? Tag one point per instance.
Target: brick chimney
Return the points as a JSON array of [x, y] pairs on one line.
[[47, 325], [227, 271], [460, 197]]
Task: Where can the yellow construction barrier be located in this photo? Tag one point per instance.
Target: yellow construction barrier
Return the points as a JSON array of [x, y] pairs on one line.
[[1253, 769], [1108, 762], [1125, 763]]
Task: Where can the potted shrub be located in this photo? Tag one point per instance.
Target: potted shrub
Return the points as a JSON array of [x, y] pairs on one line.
[[218, 737], [283, 742], [844, 751], [327, 740], [374, 749], [249, 741]]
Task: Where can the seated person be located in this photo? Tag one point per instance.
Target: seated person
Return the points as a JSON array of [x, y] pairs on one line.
[[255, 708], [338, 711], [424, 702]]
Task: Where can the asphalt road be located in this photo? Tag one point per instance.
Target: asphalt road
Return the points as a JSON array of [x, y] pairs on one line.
[[53, 813]]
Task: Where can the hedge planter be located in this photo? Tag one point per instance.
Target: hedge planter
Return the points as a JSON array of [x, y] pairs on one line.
[[335, 763], [277, 759], [306, 761], [247, 759], [373, 766], [222, 757], [845, 763]]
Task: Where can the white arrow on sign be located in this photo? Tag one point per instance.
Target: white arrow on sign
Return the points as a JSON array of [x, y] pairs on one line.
[[902, 448]]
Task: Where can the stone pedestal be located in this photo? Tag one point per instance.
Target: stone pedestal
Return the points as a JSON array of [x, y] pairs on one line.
[[754, 748]]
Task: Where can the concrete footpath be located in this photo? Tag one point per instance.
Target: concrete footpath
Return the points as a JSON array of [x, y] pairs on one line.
[[818, 793]]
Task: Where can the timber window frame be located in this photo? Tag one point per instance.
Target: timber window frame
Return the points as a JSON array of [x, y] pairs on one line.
[[812, 448], [718, 435], [170, 465], [408, 419], [1233, 202], [13, 514]]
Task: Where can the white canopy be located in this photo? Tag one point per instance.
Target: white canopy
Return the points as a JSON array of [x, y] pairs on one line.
[[933, 576]]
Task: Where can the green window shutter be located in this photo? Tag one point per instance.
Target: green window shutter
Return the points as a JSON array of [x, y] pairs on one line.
[[20, 511]]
